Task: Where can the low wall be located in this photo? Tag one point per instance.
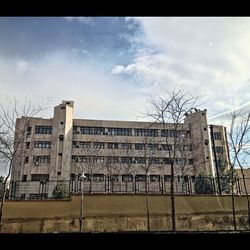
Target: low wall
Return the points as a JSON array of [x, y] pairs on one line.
[[112, 213]]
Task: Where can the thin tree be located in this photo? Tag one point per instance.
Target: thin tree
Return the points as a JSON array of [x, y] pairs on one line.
[[89, 160], [169, 112], [239, 141], [12, 140]]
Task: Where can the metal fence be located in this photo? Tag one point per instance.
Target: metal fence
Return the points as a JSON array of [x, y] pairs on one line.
[[118, 184]]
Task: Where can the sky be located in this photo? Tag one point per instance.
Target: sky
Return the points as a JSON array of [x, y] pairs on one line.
[[110, 66]]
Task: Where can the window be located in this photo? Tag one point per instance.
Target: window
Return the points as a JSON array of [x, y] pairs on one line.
[[60, 154], [120, 131], [152, 146], [59, 173], [154, 160], [127, 177], [126, 145], [98, 144], [167, 160], [29, 130], [146, 132], [61, 123], [112, 159], [190, 161], [43, 129], [24, 178], [39, 177], [140, 177], [139, 146], [38, 196], [61, 137], [112, 145], [167, 178], [27, 145], [126, 160], [63, 107], [168, 133], [140, 160], [219, 150], [92, 130], [154, 178], [114, 177], [81, 144], [217, 135], [42, 144], [166, 147], [41, 159], [72, 177], [26, 159], [98, 177]]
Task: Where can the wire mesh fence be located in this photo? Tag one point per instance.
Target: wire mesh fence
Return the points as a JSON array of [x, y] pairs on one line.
[[125, 184]]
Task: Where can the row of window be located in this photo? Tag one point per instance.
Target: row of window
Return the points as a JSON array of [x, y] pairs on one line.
[[138, 146], [38, 159], [129, 160], [115, 177], [128, 132], [120, 132], [130, 177]]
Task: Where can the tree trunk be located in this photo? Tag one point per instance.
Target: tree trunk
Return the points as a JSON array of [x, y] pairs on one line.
[[248, 202], [233, 204], [2, 203], [173, 197]]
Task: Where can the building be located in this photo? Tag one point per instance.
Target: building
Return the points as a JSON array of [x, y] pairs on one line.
[[61, 148]]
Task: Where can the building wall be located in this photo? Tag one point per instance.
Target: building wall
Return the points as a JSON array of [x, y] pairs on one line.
[[112, 213], [61, 165]]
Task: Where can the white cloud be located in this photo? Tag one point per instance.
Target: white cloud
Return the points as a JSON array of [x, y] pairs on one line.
[[61, 76], [208, 56], [81, 19]]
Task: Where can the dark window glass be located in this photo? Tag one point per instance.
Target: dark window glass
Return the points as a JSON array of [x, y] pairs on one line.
[[41, 159], [42, 144], [39, 177], [154, 178], [127, 177], [120, 131], [24, 177], [43, 129], [217, 135], [140, 177]]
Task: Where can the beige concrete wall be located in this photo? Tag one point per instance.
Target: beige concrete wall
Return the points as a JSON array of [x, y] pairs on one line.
[[109, 213]]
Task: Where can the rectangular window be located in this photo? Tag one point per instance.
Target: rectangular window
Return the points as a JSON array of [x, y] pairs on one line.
[[139, 146], [167, 178], [29, 130], [154, 178], [81, 144], [26, 159], [98, 144], [127, 177], [112, 159], [153, 160], [27, 145], [112, 145], [92, 130], [146, 132], [140, 160], [126, 145], [120, 131], [43, 129], [168, 133], [219, 150], [24, 178], [217, 135], [166, 147], [42, 144], [114, 178], [98, 177], [140, 177], [126, 160], [190, 161], [39, 177], [41, 159], [152, 146], [167, 160]]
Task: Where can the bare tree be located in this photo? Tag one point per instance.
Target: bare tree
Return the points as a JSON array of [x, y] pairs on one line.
[[239, 141], [169, 112], [89, 160], [13, 140]]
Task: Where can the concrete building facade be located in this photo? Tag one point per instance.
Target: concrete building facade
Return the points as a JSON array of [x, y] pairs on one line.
[[62, 147]]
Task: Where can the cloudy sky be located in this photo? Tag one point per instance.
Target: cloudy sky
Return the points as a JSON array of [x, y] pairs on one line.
[[110, 66]]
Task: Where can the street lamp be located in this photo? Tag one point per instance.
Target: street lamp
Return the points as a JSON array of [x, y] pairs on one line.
[[82, 177]]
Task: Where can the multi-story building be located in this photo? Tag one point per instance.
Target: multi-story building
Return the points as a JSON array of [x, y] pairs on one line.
[[62, 147]]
